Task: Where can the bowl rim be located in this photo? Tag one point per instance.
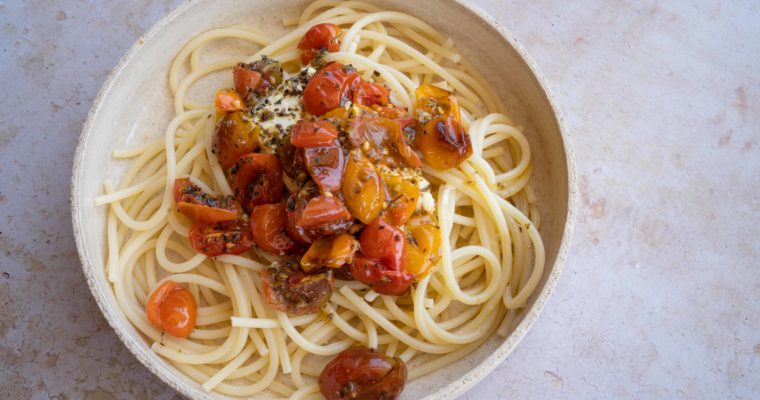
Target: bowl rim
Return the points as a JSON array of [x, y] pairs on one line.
[[450, 391]]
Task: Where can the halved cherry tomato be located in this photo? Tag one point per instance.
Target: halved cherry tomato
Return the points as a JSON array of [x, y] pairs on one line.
[[328, 89], [203, 207], [268, 229], [382, 140], [325, 165], [234, 137], [363, 188], [332, 252], [288, 289], [404, 196], [385, 243], [369, 93], [308, 133], [221, 238], [433, 100], [423, 249], [228, 100], [246, 79], [320, 37], [379, 276], [271, 75], [363, 374], [311, 216], [258, 179], [292, 160], [443, 142], [173, 309]]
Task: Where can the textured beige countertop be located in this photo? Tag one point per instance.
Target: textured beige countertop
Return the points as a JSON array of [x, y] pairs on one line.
[[660, 297]]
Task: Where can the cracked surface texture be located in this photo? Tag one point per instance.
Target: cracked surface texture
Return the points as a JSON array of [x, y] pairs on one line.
[[659, 298]]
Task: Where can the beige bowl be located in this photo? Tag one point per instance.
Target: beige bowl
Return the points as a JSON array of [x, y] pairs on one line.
[[135, 99]]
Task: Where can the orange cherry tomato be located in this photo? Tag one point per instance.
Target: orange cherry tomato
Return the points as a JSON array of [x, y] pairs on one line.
[[173, 309], [328, 89], [308, 133], [333, 252], [382, 140], [361, 373], [246, 79], [258, 179], [369, 94], [234, 137], [325, 165], [320, 37], [268, 229], [404, 196], [229, 100], [443, 142], [203, 207], [363, 188], [423, 249], [220, 238], [436, 101], [290, 290]]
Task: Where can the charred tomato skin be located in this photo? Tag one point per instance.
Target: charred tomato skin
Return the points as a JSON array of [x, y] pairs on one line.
[[360, 373]]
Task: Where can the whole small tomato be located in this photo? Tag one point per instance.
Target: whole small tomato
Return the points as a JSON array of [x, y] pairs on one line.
[[360, 373], [173, 309], [320, 37]]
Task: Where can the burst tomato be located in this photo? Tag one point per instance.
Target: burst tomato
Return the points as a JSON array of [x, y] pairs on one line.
[[203, 207], [363, 188], [258, 179], [308, 133], [311, 216], [381, 264], [369, 94], [404, 196], [423, 249], [333, 252], [246, 79], [320, 37], [361, 373], [234, 137], [173, 309], [221, 238], [325, 165], [288, 289], [443, 142], [328, 89], [382, 140], [267, 228], [228, 100]]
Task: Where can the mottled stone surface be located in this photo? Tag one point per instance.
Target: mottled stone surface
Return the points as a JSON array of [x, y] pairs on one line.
[[659, 298]]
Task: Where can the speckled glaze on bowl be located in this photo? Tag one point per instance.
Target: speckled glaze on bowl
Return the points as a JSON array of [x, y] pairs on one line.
[[135, 99]]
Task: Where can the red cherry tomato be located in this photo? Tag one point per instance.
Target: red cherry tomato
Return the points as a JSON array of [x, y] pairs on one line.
[[328, 89], [292, 161], [360, 373], [203, 207], [267, 227], [322, 37], [311, 216], [246, 79], [325, 165], [222, 238], [308, 133], [369, 93], [258, 179], [234, 137], [382, 261], [228, 100], [294, 207], [291, 290], [173, 309]]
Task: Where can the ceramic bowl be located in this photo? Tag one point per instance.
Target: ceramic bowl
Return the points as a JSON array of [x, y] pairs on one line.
[[134, 105]]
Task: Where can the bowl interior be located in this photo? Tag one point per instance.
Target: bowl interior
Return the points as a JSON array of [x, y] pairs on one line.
[[135, 106]]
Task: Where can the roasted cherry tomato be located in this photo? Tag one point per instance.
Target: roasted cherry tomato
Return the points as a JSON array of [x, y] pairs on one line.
[[325, 165], [379, 276], [403, 199], [382, 241], [258, 179], [369, 93], [360, 373], [432, 100], [422, 250], [288, 289], [382, 141], [173, 309], [328, 89], [271, 75], [363, 188], [292, 160], [234, 137], [320, 37], [221, 238], [331, 252], [443, 142], [246, 79], [268, 229], [228, 100], [311, 216], [308, 133], [203, 207]]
